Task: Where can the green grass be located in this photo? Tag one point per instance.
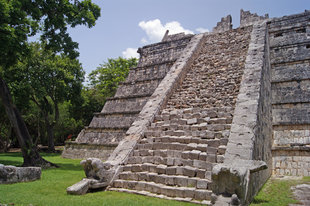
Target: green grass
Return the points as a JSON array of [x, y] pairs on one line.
[[277, 192], [51, 188]]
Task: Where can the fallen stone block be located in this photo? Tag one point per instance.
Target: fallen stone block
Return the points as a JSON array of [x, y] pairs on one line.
[[12, 174], [79, 188]]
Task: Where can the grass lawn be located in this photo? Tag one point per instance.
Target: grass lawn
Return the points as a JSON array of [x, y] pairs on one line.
[[277, 192], [51, 188]]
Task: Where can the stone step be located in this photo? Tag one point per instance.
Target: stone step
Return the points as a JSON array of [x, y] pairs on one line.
[[204, 134], [182, 139], [102, 135], [196, 118], [161, 149], [170, 191], [145, 88], [134, 96], [189, 171], [146, 193], [169, 180], [176, 158], [125, 105], [113, 121], [190, 147], [148, 73], [172, 125]]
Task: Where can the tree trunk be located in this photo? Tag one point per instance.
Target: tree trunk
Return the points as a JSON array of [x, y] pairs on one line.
[[49, 129], [29, 150], [50, 134]]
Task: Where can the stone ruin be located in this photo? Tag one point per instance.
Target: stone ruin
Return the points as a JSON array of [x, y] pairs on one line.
[[206, 118], [11, 174]]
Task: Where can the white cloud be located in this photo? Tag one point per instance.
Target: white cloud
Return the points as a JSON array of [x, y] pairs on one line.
[[144, 41], [202, 30], [130, 52], [155, 30]]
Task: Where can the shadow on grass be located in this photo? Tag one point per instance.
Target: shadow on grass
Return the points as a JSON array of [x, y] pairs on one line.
[[12, 154], [259, 201], [68, 166], [11, 162], [16, 159]]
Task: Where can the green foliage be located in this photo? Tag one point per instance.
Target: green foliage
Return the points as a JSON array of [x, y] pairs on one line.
[[51, 189], [277, 192], [48, 81], [20, 19], [105, 79], [67, 124]]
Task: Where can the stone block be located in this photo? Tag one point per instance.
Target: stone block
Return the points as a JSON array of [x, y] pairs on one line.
[[212, 158], [202, 184], [189, 171], [136, 168], [200, 194], [192, 121], [181, 181], [194, 154], [191, 146], [200, 173], [143, 176], [202, 147], [118, 184], [160, 179], [12, 174], [171, 170], [170, 161], [161, 169], [80, 188], [170, 181], [185, 154], [203, 156], [211, 150], [140, 186]]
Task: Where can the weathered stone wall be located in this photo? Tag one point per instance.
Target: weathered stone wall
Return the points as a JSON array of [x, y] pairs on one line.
[[247, 18], [292, 162], [223, 25], [248, 150], [165, 51], [289, 53]]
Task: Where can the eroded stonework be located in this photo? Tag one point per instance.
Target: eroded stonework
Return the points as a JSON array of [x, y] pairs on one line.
[[208, 118]]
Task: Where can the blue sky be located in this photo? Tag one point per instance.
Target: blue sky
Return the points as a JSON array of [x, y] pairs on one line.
[[134, 23]]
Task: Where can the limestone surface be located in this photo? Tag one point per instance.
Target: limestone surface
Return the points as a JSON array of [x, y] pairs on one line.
[[12, 174]]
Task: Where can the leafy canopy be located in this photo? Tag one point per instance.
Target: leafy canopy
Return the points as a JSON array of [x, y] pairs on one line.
[[20, 19], [106, 77]]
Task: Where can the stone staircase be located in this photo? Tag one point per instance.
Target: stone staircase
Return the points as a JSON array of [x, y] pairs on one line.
[[290, 69], [109, 126], [176, 157], [211, 114]]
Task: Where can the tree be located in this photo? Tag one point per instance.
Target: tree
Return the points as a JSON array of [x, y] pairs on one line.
[[50, 80], [20, 19], [107, 76]]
